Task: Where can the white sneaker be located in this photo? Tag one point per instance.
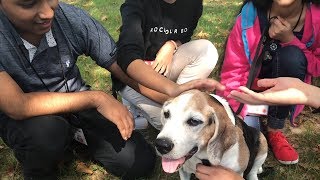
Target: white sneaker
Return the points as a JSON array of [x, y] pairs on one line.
[[140, 121]]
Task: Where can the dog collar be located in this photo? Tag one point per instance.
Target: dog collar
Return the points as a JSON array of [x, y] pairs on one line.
[[226, 107]]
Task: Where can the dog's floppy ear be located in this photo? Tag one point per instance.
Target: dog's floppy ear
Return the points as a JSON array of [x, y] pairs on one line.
[[213, 149]]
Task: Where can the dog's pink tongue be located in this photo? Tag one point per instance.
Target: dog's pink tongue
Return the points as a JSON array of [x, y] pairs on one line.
[[171, 165]]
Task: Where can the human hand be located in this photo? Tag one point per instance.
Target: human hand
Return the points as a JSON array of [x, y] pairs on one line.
[[281, 30], [215, 172], [200, 84], [117, 113], [162, 63], [282, 91]]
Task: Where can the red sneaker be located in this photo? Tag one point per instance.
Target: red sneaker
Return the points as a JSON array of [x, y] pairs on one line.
[[281, 148]]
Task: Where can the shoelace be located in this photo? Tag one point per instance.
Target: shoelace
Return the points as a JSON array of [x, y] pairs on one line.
[[279, 137]]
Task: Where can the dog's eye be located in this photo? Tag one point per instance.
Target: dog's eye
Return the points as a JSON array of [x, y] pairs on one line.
[[166, 114], [194, 122]]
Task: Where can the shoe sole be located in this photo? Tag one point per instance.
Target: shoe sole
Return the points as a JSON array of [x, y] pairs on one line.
[[282, 162], [289, 162]]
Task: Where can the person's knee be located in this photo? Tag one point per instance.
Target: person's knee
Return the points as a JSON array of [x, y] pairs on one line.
[[145, 158], [207, 53], [298, 62], [44, 141], [153, 117], [41, 145], [293, 55], [41, 132], [136, 159], [205, 47], [49, 133]]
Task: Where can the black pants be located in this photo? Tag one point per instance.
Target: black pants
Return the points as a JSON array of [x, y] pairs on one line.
[[287, 61], [39, 144]]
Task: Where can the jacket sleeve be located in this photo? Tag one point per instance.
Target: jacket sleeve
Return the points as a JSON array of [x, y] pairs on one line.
[[312, 55], [235, 68], [131, 40]]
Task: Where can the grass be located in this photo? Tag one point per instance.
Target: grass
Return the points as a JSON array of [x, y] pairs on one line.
[[217, 19]]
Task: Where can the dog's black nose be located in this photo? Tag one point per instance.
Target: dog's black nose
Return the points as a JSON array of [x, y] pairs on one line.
[[164, 145]]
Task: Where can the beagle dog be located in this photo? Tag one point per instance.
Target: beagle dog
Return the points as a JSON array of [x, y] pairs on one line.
[[201, 128]]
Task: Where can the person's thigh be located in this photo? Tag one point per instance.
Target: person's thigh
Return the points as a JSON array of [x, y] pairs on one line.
[[291, 63], [150, 109], [288, 61], [128, 159], [38, 143], [193, 60]]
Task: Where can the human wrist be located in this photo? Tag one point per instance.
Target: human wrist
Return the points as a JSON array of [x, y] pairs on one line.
[[95, 98], [173, 44], [174, 90]]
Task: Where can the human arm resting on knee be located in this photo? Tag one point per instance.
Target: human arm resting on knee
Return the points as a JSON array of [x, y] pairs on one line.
[[19, 105]]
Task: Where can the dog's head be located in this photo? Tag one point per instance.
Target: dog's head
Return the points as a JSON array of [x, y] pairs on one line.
[[190, 121]]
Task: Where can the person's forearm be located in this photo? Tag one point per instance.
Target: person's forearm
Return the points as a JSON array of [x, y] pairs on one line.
[[149, 93], [153, 95], [44, 103], [146, 76]]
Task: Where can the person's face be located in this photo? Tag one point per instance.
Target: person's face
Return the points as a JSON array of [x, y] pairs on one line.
[[30, 16]]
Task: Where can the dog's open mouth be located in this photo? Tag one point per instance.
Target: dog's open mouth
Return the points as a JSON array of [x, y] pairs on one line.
[[172, 165]]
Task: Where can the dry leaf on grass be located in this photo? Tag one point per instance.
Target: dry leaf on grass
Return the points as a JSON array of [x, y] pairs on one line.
[[104, 18], [10, 172], [88, 4], [316, 149], [83, 168], [202, 35], [98, 175], [297, 130]]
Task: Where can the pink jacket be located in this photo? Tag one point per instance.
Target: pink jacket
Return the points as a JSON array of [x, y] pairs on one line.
[[235, 69]]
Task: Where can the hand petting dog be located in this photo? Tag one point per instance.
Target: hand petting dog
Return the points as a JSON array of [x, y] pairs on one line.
[[216, 172]]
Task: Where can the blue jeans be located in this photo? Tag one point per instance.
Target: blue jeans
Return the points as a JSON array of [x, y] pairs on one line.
[[287, 61]]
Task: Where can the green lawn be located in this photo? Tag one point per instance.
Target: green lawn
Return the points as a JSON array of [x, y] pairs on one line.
[[217, 19]]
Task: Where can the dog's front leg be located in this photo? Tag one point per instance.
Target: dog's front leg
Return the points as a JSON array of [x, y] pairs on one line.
[[184, 175]]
